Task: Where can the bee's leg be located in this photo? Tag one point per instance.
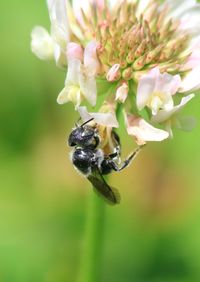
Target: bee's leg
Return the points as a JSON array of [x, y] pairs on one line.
[[112, 156], [117, 143], [96, 137], [126, 162]]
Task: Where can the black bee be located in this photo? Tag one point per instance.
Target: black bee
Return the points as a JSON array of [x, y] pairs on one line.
[[91, 161]]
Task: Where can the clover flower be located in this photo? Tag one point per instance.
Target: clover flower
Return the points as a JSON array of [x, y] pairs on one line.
[[140, 54], [80, 81]]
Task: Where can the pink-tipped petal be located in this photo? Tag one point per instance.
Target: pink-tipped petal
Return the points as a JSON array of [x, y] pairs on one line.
[[143, 132], [91, 61], [113, 73], [74, 51], [168, 84], [146, 87]]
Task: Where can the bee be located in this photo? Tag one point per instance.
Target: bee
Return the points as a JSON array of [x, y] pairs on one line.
[[91, 161]]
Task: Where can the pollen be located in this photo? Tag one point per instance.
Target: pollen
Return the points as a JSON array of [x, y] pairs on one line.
[[137, 42]]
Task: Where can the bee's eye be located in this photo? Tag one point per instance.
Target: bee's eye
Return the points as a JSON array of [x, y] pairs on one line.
[[87, 133]]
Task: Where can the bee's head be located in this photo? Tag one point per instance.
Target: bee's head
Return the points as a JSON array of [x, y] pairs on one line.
[[82, 135]]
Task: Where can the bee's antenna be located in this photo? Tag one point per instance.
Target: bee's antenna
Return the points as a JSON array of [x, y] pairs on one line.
[[76, 123], [87, 122]]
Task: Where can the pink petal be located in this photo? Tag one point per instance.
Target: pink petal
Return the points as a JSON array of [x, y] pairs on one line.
[[91, 61], [143, 131], [146, 87], [113, 73], [74, 51], [168, 84]]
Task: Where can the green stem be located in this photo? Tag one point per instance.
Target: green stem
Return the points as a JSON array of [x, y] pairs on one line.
[[93, 249]]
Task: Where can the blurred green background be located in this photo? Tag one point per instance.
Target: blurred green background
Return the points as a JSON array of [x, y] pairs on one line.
[[153, 235]]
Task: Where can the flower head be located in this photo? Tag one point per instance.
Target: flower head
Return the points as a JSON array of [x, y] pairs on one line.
[[143, 54]]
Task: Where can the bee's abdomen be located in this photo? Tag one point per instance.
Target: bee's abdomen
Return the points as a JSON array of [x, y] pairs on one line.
[[82, 160]]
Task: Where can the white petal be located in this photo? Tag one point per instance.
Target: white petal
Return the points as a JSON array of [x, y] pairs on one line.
[[60, 56], [88, 87], [190, 21], [70, 93], [191, 81], [63, 96], [60, 30], [179, 7], [164, 115], [91, 62], [169, 104], [146, 88], [187, 11], [73, 72], [60, 39], [106, 119], [122, 93], [49, 4], [167, 84], [142, 131], [58, 15], [156, 104], [193, 61], [42, 44]]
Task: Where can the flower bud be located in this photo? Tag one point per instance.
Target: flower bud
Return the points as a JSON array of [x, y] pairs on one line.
[[114, 73], [122, 93], [139, 63], [127, 73]]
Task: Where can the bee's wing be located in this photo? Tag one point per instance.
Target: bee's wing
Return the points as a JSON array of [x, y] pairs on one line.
[[110, 194]]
